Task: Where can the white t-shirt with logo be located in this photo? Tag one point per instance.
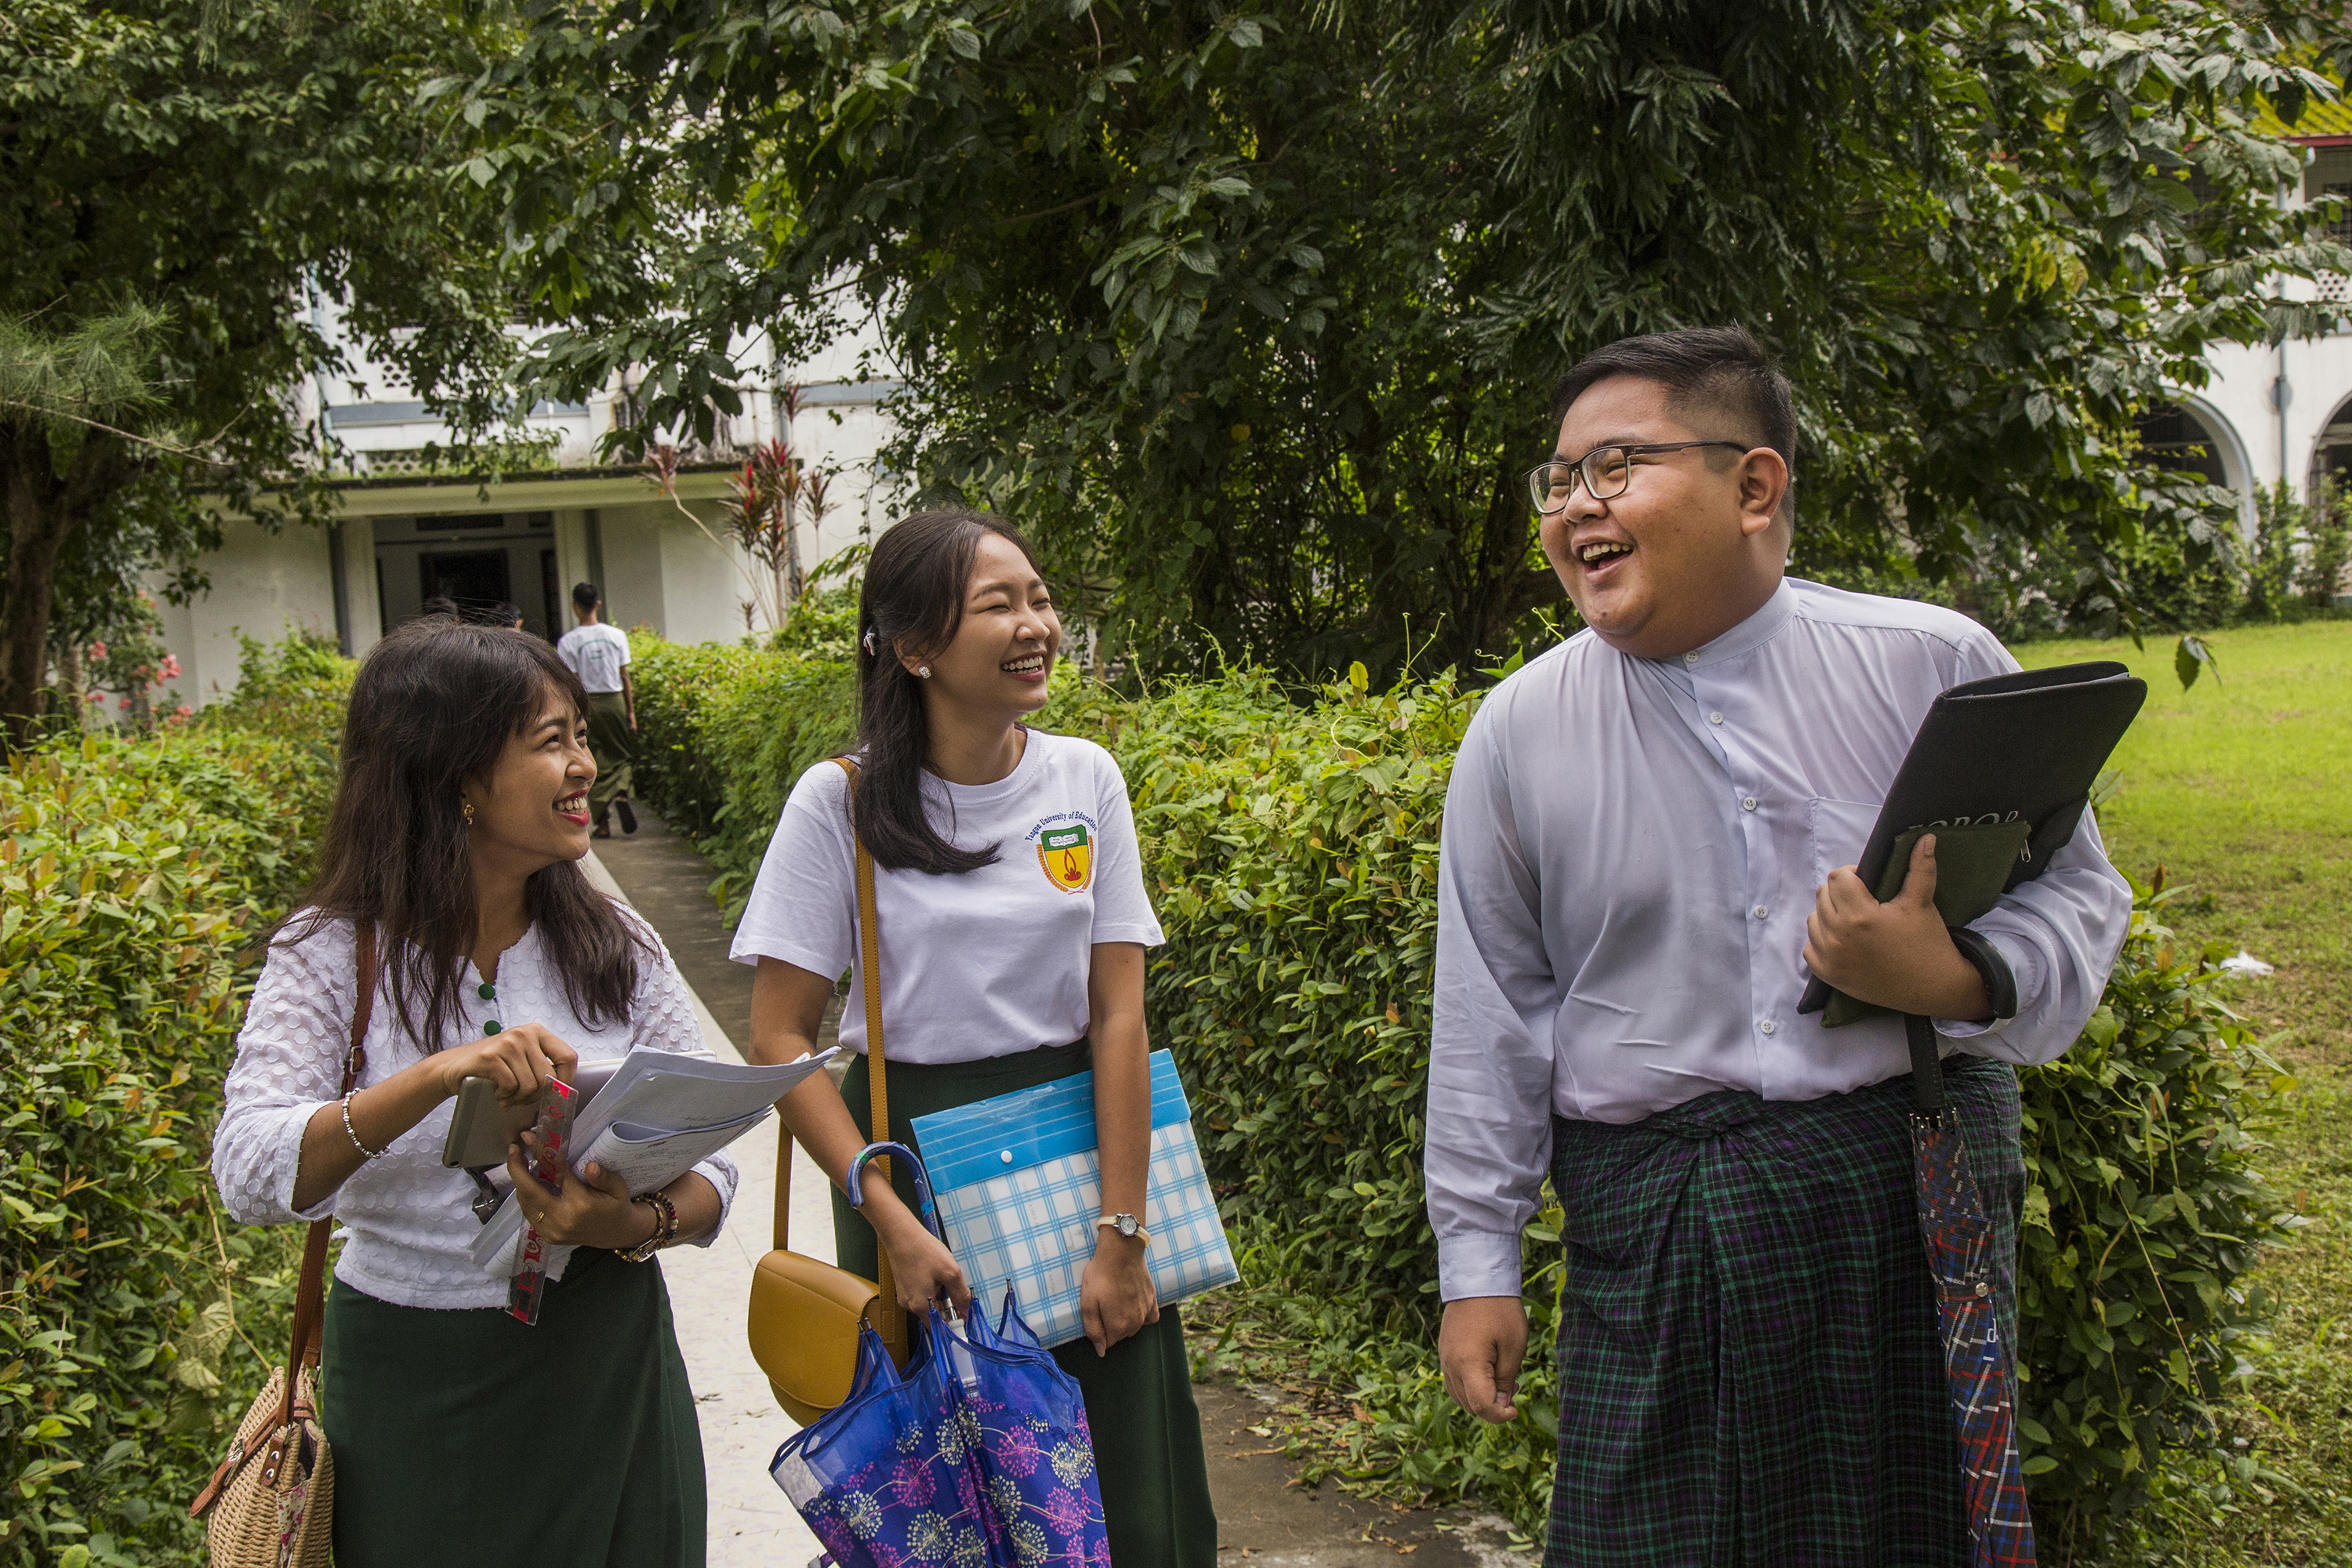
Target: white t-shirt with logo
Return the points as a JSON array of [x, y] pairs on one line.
[[596, 655], [980, 964]]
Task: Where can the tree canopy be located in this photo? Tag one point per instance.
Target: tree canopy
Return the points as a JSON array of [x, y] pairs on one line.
[[1256, 306], [184, 187]]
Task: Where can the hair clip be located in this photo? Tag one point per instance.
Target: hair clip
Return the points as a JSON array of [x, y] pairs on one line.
[[869, 642]]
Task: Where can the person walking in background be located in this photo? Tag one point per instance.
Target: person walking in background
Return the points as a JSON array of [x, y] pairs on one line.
[[1002, 967], [453, 857], [599, 655], [1649, 838]]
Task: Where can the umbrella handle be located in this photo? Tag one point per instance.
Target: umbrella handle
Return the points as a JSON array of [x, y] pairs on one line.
[[855, 1181]]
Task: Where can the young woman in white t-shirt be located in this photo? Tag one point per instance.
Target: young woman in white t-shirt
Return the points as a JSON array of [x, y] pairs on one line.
[[1013, 920]]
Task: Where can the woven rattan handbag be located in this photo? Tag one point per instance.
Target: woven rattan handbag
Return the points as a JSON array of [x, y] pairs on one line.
[[805, 1313], [272, 1501]]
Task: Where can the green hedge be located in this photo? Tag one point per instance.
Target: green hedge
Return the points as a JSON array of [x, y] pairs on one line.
[[135, 1326], [1292, 850], [723, 732]]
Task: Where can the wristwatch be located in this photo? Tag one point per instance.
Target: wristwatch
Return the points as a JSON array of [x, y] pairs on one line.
[[1128, 1226]]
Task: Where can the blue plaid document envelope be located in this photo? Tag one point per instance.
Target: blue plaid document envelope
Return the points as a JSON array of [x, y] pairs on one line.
[[1019, 1188]]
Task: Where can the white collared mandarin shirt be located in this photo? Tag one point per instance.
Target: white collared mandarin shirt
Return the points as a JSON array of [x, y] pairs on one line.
[[1630, 850]]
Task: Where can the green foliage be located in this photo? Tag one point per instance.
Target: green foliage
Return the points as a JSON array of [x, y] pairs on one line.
[[1292, 852], [673, 766], [725, 732], [2270, 571], [1293, 859], [188, 188], [1224, 305], [2145, 1208], [823, 625], [135, 876]]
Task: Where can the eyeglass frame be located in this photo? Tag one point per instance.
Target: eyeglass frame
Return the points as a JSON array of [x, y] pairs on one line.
[[1631, 451]]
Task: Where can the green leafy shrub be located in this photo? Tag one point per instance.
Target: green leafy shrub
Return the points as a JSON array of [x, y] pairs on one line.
[[2145, 1208], [1293, 859], [1291, 848], [726, 731], [671, 765], [823, 625], [134, 878]]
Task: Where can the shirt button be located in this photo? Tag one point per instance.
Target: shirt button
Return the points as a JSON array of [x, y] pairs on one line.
[[1714, 718], [1768, 1025], [1759, 912], [1747, 803], [1691, 657]]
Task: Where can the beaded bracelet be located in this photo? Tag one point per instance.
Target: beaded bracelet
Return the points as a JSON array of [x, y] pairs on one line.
[[665, 1228], [351, 1133]]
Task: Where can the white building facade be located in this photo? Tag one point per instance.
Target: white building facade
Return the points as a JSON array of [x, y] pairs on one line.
[[2283, 413], [560, 515]]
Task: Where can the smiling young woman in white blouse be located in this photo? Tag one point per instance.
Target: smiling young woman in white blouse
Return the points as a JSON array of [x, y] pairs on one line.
[[460, 1435]]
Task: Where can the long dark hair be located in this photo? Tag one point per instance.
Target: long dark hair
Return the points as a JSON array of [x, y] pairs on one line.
[[433, 708], [911, 600]]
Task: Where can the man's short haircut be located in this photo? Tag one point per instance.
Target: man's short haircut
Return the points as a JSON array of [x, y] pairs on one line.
[[585, 596], [1713, 370]]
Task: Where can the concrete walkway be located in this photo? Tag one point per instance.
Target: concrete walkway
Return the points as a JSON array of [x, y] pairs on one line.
[[752, 1524], [1263, 1516]]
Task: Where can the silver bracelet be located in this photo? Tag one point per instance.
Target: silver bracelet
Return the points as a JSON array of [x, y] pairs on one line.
[[352, 1133]]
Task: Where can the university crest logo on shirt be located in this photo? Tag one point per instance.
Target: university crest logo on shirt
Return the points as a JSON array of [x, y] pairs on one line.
[[1069, 855]]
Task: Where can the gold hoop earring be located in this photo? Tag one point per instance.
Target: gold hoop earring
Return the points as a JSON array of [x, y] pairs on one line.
[[468, 807]]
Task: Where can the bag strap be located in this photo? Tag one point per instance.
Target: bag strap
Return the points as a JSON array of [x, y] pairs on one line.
[[310, 1295], [892, 1322]]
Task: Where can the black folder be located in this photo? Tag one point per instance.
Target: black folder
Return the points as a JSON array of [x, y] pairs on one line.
[[2022, 748]]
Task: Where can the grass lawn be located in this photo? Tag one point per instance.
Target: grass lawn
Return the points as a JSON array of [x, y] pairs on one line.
[[2242, 789]]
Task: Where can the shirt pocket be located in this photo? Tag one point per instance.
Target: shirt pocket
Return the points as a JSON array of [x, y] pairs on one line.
[[1840, 830]]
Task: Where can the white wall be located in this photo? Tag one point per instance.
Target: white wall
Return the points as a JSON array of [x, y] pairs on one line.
[[263, 584]]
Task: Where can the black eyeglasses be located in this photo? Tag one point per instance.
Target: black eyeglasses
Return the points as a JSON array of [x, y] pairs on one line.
[[1605, 470]]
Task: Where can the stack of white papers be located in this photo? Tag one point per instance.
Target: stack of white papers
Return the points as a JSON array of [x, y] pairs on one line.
[[660, 1115]]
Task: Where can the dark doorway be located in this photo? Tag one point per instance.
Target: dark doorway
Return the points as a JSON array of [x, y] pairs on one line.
[[549, 586], [476, 579]]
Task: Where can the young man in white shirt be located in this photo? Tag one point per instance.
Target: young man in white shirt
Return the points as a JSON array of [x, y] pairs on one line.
[[599, 655], [1648, 846]]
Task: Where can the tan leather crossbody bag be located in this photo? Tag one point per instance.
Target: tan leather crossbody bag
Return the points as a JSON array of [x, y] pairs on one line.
[[805, 1313]]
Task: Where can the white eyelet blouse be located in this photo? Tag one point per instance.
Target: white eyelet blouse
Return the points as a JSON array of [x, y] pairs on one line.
[[406, 1221]]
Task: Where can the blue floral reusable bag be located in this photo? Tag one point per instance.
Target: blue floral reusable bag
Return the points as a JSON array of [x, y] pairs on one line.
[[977, 1456]]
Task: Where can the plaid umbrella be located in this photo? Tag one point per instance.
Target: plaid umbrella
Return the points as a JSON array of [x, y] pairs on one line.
[[1960, 1236]]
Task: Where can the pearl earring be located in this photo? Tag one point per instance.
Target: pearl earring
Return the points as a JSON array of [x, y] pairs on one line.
[[924, 671]]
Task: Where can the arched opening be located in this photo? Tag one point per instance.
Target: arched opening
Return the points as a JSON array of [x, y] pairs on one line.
[[2173, 439], [2331, 455]]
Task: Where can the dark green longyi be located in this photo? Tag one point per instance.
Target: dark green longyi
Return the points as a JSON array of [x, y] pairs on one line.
[[465, 1439]]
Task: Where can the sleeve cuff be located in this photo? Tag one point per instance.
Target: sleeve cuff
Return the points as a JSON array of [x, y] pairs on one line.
[[325, 1207], [1478, 1263], [721, 1174], [1993, 968], [1997, 954]]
